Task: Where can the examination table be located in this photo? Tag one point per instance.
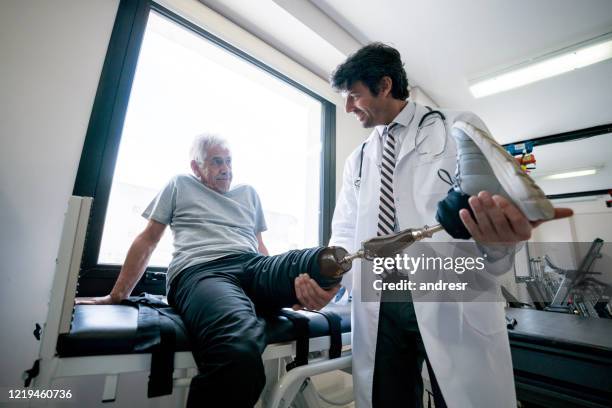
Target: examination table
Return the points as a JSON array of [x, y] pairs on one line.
[[105, 340], [559, 359]]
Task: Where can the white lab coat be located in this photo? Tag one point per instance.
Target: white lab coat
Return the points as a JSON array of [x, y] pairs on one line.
[[466, 342]]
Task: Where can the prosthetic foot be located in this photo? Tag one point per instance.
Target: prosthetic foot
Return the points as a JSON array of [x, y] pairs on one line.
[[482, 164]]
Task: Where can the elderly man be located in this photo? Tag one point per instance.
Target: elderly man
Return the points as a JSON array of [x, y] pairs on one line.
[[221, 273]]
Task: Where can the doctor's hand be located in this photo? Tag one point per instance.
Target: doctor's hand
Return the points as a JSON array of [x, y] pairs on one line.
[[102, 300], [310, 294], [500, 221]]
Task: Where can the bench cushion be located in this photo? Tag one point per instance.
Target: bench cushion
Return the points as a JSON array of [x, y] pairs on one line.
[[111, 329]]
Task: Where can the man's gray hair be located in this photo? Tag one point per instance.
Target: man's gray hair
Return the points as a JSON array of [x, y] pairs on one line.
[[203, 142]]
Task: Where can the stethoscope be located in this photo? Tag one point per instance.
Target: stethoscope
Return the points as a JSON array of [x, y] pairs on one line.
[[417, 140]]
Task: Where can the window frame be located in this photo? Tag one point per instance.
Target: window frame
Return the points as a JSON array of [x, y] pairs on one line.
[[99, 155]]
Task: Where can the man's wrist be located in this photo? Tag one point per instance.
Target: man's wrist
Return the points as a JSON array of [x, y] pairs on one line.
[[117, 297]]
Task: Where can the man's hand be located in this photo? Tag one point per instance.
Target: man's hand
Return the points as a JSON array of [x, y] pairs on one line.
[[500, 221], [310, 294], [102, 300]]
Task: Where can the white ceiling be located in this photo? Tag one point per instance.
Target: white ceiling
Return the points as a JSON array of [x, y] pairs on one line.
[[444, 43], [299, 30]]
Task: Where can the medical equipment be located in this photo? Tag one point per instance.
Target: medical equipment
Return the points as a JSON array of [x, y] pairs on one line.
[[517, 149], [523, 153], [417, 141], [421, 125], [580, 291]]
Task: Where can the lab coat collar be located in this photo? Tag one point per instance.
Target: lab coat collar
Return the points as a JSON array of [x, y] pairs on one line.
[[403, 118], [415, 114], [406, 115]]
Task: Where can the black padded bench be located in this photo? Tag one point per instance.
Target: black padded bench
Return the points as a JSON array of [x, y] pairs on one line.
[[111, 329], [99, 331]]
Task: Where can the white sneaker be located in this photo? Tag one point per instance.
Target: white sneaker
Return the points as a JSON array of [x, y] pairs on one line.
[[483, 164]]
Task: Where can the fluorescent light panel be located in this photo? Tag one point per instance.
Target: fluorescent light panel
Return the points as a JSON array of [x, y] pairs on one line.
[[570, 174], [565, 60]]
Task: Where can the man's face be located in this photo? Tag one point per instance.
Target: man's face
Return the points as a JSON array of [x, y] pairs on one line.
[[216, 172], [370, 110]]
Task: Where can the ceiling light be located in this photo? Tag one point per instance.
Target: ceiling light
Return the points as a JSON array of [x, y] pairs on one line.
[[570, 174], [555, 63]]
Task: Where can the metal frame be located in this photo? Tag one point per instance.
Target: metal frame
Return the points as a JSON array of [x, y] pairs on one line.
[[96, 167], [281, 387], [568, 136], [580, 194]]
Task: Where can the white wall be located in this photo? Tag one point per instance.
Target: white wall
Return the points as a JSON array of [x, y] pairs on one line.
[[591, 219], [52, 55]]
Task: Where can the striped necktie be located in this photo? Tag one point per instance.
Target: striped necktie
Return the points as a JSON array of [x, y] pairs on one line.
[[386, 210]]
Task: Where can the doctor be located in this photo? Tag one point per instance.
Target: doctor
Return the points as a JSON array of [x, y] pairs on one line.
[[465, 345]]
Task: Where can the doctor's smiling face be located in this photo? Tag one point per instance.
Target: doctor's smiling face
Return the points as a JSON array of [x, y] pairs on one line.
[[371, 110], [216, 171], [374, 83]]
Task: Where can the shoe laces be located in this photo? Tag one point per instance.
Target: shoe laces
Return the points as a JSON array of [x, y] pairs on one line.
[[447, 178]]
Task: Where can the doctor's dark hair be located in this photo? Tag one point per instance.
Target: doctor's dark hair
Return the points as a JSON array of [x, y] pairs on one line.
[[369, 65]]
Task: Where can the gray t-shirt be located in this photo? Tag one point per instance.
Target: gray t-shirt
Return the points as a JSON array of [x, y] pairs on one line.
[[205, 224]]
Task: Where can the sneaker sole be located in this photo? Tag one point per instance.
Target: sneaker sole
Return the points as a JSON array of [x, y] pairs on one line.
[[524, 192]]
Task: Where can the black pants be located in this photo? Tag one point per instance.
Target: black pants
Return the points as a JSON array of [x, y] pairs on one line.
[[399, 357], [218, 302]]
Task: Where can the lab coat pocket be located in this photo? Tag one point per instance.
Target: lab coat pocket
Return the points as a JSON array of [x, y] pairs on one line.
[[429, 189], [426, 206], [484, 317]]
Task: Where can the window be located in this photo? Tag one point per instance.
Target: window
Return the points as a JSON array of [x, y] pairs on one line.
[[181, 81]]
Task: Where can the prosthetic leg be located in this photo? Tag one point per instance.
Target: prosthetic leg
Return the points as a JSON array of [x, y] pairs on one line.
[[336, 261]]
